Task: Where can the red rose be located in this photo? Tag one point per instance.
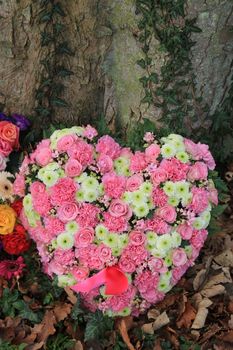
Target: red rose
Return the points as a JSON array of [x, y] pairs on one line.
[[16, 243], [17, 206]]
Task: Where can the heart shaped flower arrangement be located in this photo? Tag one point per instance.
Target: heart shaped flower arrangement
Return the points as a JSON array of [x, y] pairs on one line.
[[120, 227]]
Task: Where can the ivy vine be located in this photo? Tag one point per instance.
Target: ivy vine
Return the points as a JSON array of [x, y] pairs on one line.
[[55, 68]]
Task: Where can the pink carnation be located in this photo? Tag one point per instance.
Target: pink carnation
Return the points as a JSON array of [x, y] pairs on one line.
[[146, 282], [138, 162], [198, 238], [106, 145], [19, 185], [37, 188], [158, 225], [115, 224], [200, 200], [90, 132], [213, 195], [41, 203], [83, 152], [149, 137], [63, 191], [159, 197], [80, 273], [88, 215], [178, 272], [54, 225], [175, 169], [114, 185]]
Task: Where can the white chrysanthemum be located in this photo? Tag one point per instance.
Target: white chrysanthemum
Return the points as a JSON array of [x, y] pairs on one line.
[[146, 188], [175, 137], [65, 240], [138, 197], [123, 240], [81, 177], [173, 201], [151, 238], [54, 243], [164, 284], [164, 242], [125, 312], [182, 156], [182, 189], [176, 239], [72, 227], [116, 251], [141, 210], [101, 232], [111, 240], [188, 250], [206, 216], [168, 260], [90, 195], [90, 183], [49, 178], [187, 199], [168, 151], [66, 280], [27, 202], [198, 223], [127, 197], [32, 217], [169, 188], [61, 173], [79, 196], [78, 130]]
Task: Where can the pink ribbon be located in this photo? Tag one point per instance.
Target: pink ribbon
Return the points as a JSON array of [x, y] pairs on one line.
[[114, 279]]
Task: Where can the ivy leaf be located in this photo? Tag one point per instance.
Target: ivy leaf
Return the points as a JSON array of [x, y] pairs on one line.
[[97, 325], [25, 311], [58, 9], [45, 16], [154, 78], [63, 72], [142, 63]]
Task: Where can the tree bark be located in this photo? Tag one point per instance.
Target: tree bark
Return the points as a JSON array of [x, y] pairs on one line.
[[102, 34]]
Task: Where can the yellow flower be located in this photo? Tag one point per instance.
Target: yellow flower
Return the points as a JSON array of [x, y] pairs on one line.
[[7, 219]]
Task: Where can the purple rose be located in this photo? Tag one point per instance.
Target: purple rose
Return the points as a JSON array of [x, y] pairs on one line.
[[22, 122]]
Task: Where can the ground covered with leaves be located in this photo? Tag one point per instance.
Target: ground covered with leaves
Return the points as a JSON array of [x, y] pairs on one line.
[[196, 314]]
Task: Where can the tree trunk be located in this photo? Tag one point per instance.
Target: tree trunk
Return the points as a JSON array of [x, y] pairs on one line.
[[102, 34]]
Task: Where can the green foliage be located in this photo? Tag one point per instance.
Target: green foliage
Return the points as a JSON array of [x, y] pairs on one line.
[[59, 341], [51, 88], [4, 345], [97, 326], [12, 304]]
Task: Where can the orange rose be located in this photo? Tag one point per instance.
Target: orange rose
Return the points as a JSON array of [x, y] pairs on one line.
[[7, 219], [10, 133]]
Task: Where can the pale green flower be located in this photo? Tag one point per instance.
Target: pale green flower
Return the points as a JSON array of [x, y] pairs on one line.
[[150, 247], [206, 216], [123, 240], [77, 130], [198, 223], [111, 240], [176, 239], [90, 183], [79, 196], [32, 217], [51, 166], [90, 195], [151, 238], [179, 145], [127, 197], [188, 250], [138, 197], [187, 199], [56, 135], [173, 201], [146, 188], [101, 232], [182, 189], [54, 243], [175, 137], [81, 177], [164, 242], [164, 285], [168, 151], [66, 280], [125, 312], [182, 156], [116, 251], [168, 260], [141, 210], [50, 178], [61, 173], [72, 227], [169, 188], [27, 202], [65, 240]]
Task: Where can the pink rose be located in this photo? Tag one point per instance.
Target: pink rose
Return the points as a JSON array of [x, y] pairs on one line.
[[179, 257], [43, 156], [198, 171], [178, 272], [134, 182], [156, 264], [126, 264], [119, 208], [84, 237], [167, 212], [137, 238], [126, 152], [80, 273], [200, 200], [213, 195], [152, 152], [67, 212], [158, 175], [192, 148], [66, 142], [73, 167], [37, 188], [105, 164], [104, 253], [149, 137], [5, 148], [185, 231]]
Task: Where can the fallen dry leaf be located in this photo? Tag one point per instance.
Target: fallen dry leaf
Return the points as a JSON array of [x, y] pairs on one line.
[[122, 327], [225, 258], [153, 314], [187, 317], [62, 310], [227, 337], [213, 291], [230, 322], [72, 297], [162, 320]]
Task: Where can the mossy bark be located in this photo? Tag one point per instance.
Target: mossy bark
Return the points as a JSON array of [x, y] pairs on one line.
[[102, 34]]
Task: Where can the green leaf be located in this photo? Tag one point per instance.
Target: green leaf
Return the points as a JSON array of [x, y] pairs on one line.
[[58, 102], [63, 72], [154, 78], [141, 63], [97, 325], [58, 9]]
